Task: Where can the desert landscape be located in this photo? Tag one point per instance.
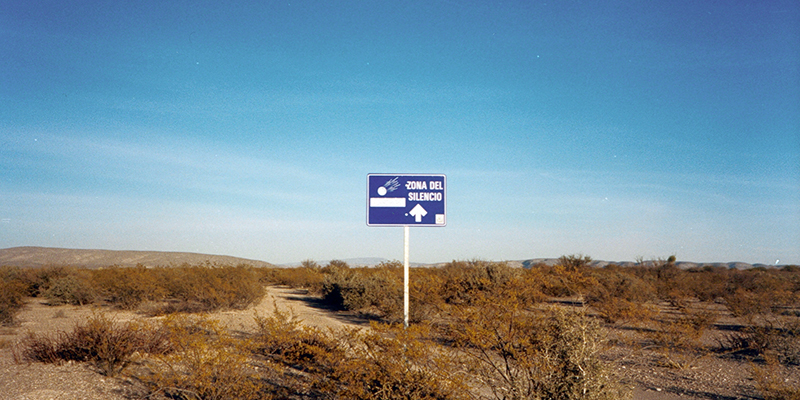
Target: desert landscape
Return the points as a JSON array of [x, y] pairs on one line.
[[207, 200], [480, 330]]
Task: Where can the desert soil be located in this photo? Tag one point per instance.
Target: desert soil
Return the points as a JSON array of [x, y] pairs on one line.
[[709, 378]]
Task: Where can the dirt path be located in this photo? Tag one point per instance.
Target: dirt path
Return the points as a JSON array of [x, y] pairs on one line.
[[38, 381], [719, 379], [306, 308]]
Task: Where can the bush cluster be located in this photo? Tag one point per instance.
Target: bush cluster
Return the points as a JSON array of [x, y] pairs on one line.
[[183, 288], [377, 291], [12, 293], [547, 353], [478, 327], [106, 344]]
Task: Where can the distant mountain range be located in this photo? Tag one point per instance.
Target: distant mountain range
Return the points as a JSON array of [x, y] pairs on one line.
[[679, 264], [374, 261], [43, 256]]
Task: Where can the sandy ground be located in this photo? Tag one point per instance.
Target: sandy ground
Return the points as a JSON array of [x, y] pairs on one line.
[[711, 378]]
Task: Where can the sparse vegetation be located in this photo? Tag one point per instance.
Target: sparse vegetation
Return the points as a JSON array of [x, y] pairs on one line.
[[544, 353], [12, 292], [106, 344], [205, 363], [478, 328]]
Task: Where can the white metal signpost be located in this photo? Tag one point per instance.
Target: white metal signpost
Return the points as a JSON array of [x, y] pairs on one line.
[[406, 200]]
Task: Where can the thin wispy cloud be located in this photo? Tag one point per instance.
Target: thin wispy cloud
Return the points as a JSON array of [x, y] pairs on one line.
[[249, 130]]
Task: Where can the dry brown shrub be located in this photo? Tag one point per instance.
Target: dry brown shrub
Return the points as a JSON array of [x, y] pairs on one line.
[[678, 338], [107, 345], [775, 338], [755, 292], [128, 287], [571, 276], [620, 296], [308, 276], [708, 284], [772, 383], [425, 297], [549, 353], [389, 362], [74, 288], [464, 282], [206, 363], [671, 283], [12, 293], [204, 288], [283, 338], [376, 291]]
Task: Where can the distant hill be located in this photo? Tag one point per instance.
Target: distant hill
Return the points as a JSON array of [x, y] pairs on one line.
[[41, 256], [354, 262], [679, 264]]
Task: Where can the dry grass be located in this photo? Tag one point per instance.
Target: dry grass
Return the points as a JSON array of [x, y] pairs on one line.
[[484, 315]]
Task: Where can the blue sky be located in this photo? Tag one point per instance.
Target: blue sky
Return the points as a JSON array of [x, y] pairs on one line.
[[618, 129]]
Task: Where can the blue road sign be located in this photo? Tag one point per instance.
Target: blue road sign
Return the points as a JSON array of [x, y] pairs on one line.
[[406, 200]]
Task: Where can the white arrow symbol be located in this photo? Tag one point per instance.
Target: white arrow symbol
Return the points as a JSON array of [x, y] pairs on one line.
[[418, 212]]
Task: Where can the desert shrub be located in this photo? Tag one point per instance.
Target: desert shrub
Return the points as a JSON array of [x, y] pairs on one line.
[[776, 338], [106, 344], [708, 283], [386, 362], [772, 384], [463, 282], [570, 276], [746, 304], [376, 291], [670, 282], [620, 296], [341, 288], [127, 288], [425, 296], [208, 288], [285, 340], [206, 363], [74, 289], [389, 362], [678, 338], [12, 293], [755, 292], [40, 279], [308, 276], [530, 286], [546, 354]]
